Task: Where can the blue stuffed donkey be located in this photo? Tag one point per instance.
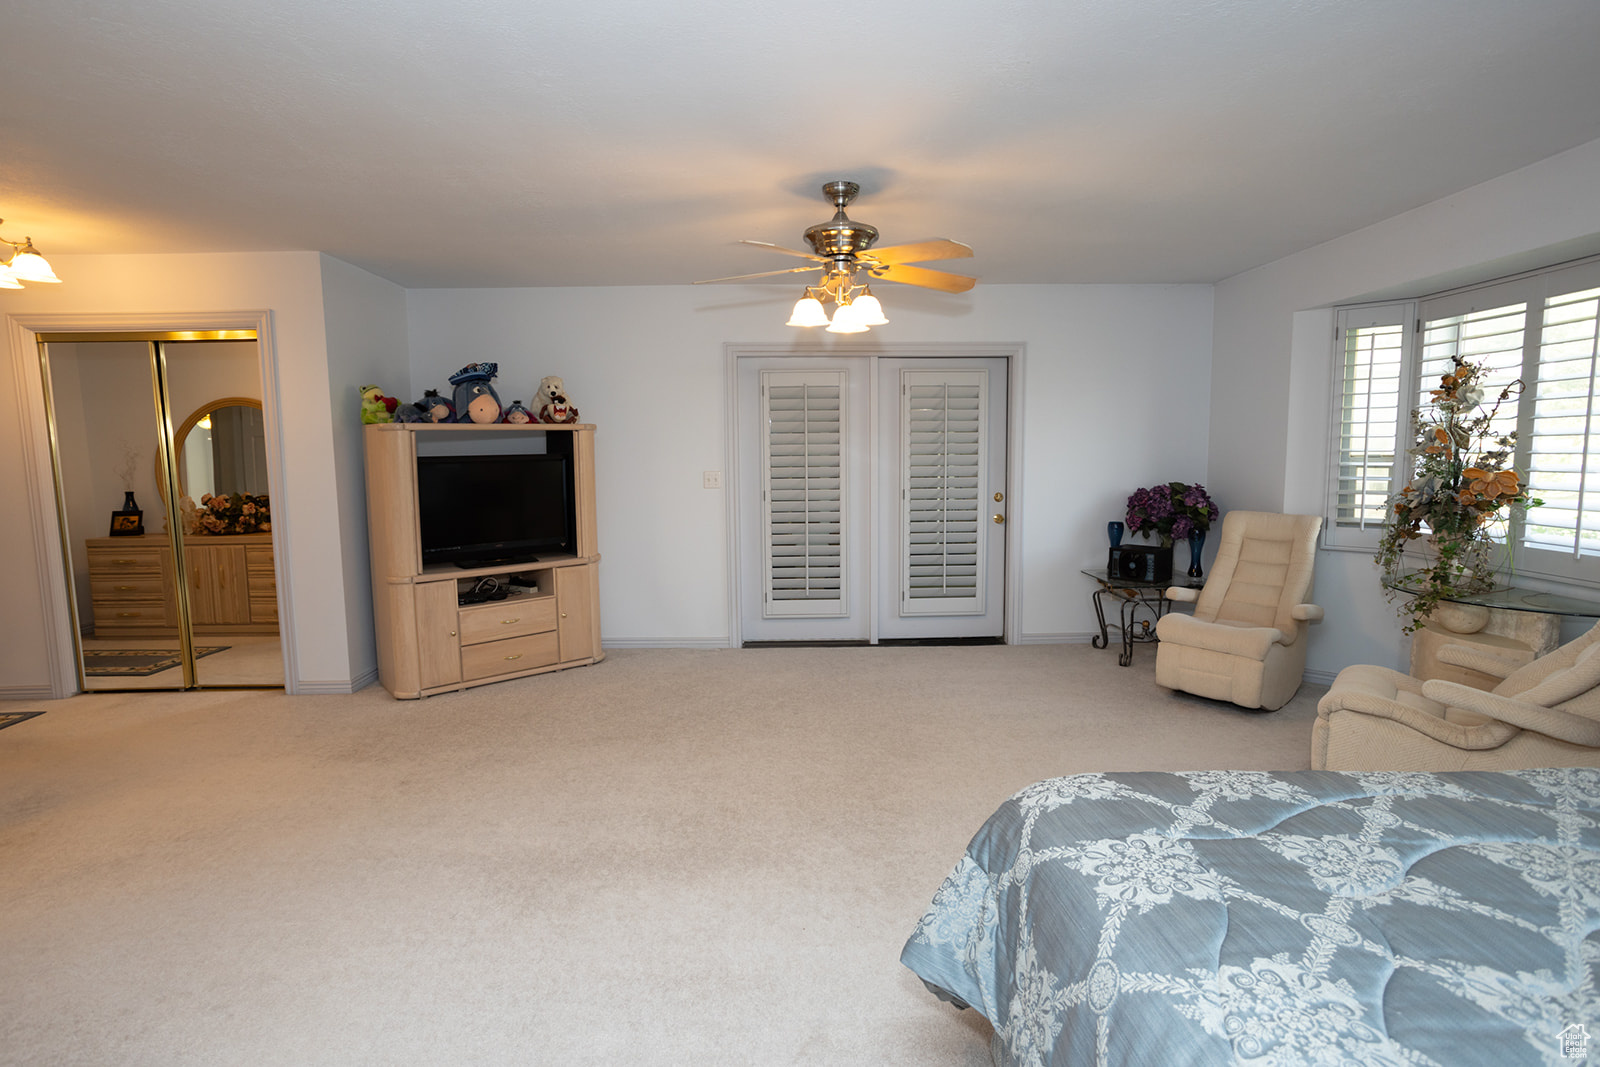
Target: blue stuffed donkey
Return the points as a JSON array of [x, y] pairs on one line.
[[475, 398]]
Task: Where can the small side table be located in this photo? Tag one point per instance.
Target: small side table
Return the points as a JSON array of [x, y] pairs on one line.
[[1516, 623], [1140, 605]]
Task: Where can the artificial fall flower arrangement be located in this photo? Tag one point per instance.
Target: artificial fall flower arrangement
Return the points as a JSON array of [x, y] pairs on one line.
[[1171, 511], [1460, 487], [240, 513]]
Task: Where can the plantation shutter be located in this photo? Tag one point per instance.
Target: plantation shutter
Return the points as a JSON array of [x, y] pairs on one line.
[[1493, 337], [1564, 457], [942, 491], [1372, 349], [803, 493]]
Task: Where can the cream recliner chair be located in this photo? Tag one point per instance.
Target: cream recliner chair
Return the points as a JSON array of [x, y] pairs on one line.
[[1246, 641], [1544, 714]]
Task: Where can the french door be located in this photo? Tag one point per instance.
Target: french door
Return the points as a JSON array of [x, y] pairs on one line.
[[871, 498]]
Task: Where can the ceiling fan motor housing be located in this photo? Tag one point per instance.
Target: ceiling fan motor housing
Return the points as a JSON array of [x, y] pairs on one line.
[[840, 237]]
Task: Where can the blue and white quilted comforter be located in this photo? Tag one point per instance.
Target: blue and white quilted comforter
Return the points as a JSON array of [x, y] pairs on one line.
[[1298, 918]]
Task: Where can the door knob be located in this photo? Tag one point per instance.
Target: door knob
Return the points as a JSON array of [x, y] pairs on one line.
[[999, 519], [999, 497]]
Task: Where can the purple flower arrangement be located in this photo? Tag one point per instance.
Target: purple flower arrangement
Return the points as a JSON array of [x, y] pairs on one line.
[[1171, 511]]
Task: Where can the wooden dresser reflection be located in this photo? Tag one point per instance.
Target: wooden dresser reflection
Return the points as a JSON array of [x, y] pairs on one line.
[[230, 580]]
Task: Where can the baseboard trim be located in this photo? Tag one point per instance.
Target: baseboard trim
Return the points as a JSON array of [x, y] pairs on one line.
[[1319, 677], [660, 642], [26, 692], [334, 688], [1071, 638]]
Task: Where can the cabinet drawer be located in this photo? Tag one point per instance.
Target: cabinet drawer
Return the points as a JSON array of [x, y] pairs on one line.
[[137, 562], [512, 617], [512, 654], [263, 608], [258, 568], [112, 616], [125, 588]]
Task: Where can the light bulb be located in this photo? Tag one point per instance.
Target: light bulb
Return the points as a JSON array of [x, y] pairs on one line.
[[847, 320], [29, 266], [808, 312], [868, 311]]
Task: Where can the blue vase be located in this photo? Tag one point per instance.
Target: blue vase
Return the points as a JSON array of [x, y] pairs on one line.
[[1197, 541], [1114, 531]]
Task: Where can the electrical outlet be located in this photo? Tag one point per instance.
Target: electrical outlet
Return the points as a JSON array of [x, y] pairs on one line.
[[712, 480]]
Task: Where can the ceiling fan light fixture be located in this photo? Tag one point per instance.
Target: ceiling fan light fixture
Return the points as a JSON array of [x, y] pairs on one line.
[[808, 312], [29, 266]]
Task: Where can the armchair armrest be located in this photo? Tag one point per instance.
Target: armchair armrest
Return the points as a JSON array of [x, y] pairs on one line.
[[1486, 735], [1561, 725], [1306, 613], [1494, 664], [1183, 593]]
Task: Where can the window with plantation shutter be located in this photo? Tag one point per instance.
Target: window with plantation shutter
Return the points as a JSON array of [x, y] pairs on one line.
[[1372, 399], [1564, 431], [803, 492], [1543, 328], [942, 491]]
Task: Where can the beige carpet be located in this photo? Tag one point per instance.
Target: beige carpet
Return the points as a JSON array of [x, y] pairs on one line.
[[672, 857]]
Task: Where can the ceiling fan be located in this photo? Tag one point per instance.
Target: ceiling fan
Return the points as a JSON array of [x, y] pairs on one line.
[[842, 250]]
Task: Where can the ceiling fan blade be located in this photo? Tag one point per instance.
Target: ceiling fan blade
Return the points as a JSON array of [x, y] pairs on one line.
[[921, 251], [786, 251], [763, 274], [927, 279]]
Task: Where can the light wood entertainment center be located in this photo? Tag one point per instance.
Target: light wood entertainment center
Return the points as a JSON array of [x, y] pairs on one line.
[[428, 642]]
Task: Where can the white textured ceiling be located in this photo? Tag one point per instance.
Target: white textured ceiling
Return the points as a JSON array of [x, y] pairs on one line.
[[630, 142]]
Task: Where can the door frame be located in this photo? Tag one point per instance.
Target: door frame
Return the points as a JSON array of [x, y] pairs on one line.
[[39, 472], [1015, 354]]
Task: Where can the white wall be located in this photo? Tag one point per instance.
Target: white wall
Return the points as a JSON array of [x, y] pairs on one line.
[[289, 285], [1117, 384], [366, 336], [1273, 370]]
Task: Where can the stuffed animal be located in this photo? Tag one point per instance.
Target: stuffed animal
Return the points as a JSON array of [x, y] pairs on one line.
[[411, 413], [375, 407], [553, 406], [436, 408], [516, 414], [475, 398]]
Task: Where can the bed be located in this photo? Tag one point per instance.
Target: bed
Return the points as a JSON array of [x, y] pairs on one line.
[[1305, 917]]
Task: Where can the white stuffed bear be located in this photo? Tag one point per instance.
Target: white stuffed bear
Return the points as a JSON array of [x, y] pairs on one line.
[[553, 404]]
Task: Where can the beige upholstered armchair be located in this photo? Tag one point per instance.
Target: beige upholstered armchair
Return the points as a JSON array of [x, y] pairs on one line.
[[1544, 714], [1246, 641]]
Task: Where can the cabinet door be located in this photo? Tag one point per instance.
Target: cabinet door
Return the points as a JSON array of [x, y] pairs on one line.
[[219, 592], [438, 639], [575, 609]]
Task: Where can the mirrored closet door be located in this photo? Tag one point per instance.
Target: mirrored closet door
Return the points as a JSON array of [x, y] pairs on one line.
[[161, 478]]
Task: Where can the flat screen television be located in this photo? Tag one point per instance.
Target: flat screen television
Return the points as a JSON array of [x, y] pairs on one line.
[[483, 510]]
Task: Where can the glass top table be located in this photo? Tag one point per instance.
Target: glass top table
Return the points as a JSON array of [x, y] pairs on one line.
[[1140, 606], [1512, 598]]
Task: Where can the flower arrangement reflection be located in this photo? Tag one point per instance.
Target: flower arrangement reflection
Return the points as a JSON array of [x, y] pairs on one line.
[[1171, 511], [1461, 485], [240, 513]]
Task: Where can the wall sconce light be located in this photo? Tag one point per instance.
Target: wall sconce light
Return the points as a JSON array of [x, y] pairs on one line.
[[26, 265]]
